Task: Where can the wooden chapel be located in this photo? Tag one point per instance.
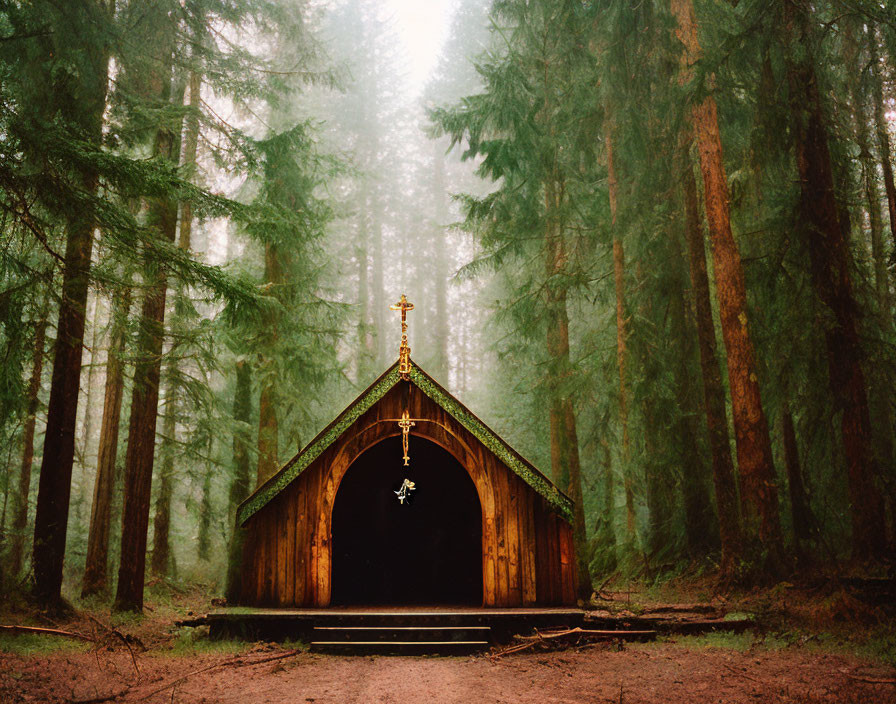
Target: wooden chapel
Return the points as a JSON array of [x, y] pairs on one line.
[[407, 498]]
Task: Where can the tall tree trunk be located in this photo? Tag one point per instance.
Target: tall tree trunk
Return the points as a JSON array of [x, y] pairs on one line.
[[20, 515], [161, 547], [55, 484], [440, 259], [268, 423], [713, 390], [759, 490], [883, 134], [701, 527], [87, 409], [239, 487], [656, 489], [830, 261], [95, 568], [799, 502], [606, 524], [203, 538], [621, 338], [162, 218], [191, 148], [161, 563], [869, 171], [380, 335], [366, 349], [565, 463], [879, 391]]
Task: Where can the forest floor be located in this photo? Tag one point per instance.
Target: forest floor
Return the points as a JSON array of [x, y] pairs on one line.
[[811, 645]]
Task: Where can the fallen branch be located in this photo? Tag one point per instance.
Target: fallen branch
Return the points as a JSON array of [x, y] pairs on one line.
[[47, 632], [234, 662], [610, 635], [539, 637]]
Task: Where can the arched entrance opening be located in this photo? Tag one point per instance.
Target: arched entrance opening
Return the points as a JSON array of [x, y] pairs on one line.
[[427, 550]]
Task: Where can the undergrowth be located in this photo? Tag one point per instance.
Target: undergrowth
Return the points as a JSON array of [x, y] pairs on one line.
[[32, 644]]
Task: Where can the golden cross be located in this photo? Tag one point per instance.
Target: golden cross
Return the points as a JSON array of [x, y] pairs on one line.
[[405, 424], [404, 352]]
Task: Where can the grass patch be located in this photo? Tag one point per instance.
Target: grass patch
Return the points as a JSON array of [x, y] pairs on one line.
[[195, 641], [727, 640], [878, 644], [33, 644]]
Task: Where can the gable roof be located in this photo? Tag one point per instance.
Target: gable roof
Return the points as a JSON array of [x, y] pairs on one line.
[[559, 501]]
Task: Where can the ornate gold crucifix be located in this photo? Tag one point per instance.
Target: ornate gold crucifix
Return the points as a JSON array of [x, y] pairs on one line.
[[404, 352], [405, 424], [404, 368]]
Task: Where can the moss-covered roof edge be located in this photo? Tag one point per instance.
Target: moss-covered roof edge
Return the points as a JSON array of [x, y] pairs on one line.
[[525, 470], [519, 466]]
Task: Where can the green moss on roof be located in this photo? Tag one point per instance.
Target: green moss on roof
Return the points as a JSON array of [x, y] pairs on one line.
[[267, 491]]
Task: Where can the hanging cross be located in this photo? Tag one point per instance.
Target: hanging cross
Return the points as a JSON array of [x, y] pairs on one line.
[[405, 424], [404, 352]]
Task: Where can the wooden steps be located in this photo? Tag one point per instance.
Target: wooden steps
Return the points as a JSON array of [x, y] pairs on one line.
[[400, 647], [394, 639], [434, 626]]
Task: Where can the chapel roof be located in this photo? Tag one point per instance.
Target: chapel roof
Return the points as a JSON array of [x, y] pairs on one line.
[[559, 501]]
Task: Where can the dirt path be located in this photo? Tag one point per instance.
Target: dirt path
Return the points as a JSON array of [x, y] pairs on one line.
[[644, 674]]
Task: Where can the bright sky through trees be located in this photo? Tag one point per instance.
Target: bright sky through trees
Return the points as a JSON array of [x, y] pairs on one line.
[[422, 27]]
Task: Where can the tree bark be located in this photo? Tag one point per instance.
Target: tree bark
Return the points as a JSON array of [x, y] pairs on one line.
[[879, 392], [87, 424], [203, 541], [621, 338], [565, 463], [239, 487], [759, 491], [95, 568], [713, 390], [161, 547], [830, 261], [700, 523], [869, 171], [161, 562], [54, 489], [799, 502], [20, 516], [268, 424], [883, 134], [440, 259], [162, 217], [379, 294], [656, 486], [366, 349], [191, 148]]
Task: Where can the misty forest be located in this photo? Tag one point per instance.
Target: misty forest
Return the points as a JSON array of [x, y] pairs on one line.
[[650, 244]]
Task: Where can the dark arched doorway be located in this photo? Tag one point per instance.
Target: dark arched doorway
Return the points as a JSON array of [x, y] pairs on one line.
[[425, 551]]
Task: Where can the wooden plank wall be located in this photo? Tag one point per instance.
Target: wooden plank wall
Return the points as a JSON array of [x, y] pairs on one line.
[[527, 551]]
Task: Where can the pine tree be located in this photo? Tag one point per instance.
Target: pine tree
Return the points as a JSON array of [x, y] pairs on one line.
[[830, 264], [20, 516], [81, 104], [754, 454], [96, 565]]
